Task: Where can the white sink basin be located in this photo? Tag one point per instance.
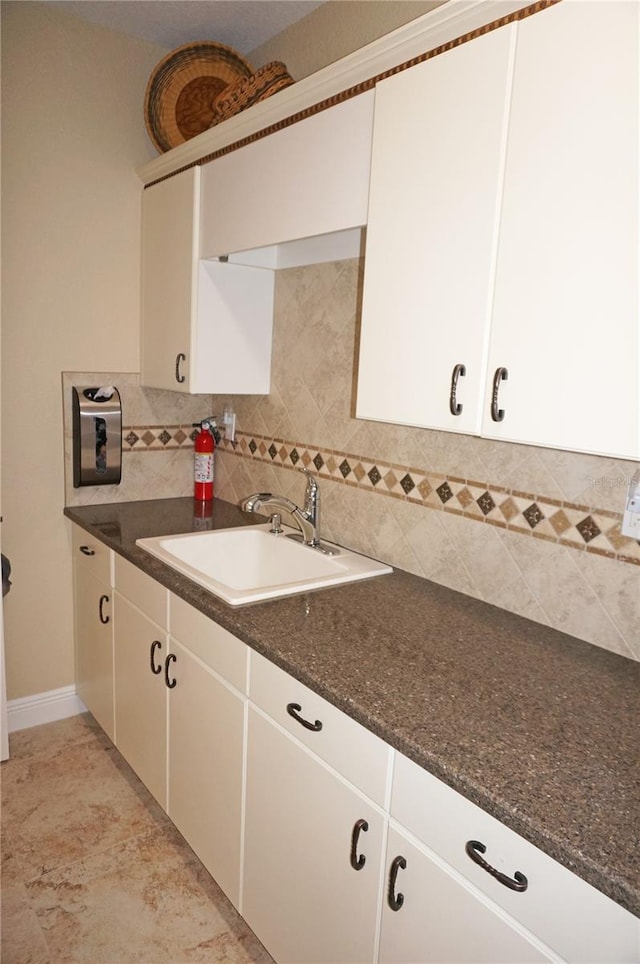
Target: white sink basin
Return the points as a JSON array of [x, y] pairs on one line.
[[249, 563]]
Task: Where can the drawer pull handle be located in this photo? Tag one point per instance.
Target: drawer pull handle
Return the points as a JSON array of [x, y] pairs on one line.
[[501, 375], [454, 406], [179, 376], [358, 862], [293, 709], [103, 619], [156, 644], [394, 900], [518, 882], [170, 683], [87, 550]]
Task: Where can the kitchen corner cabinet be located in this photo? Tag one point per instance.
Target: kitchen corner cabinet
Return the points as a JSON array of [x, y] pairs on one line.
[[504, 206], [93, 625], [206, 326]]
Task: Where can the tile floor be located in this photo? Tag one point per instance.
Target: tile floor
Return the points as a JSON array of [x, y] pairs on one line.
[[93, 870]]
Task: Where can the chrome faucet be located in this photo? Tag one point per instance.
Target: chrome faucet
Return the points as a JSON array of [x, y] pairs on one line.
[[306, 518]]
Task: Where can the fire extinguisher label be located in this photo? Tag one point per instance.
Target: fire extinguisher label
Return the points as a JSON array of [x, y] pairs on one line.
[[204, 466]]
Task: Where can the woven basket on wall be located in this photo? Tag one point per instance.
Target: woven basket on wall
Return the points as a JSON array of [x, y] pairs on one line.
[[183, 87], [246, 91]]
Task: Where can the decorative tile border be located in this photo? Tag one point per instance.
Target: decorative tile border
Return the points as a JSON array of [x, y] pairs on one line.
[[553, 520], [153, 438]]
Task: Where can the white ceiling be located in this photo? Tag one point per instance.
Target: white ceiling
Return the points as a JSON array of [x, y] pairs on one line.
[[241, 24]]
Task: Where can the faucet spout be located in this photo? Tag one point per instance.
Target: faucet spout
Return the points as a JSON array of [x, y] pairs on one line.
[[253, 502]]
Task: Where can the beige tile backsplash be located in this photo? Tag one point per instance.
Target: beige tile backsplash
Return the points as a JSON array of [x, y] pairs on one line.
[[532, 530], [549, 573]]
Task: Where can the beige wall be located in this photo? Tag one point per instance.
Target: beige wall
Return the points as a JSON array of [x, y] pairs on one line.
[[72, 135], [336, 29]]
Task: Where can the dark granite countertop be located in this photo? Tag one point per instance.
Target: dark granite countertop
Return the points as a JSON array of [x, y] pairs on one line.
[[539, 729]]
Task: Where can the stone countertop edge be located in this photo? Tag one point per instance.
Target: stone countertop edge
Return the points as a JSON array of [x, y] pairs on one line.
[[539, 729]]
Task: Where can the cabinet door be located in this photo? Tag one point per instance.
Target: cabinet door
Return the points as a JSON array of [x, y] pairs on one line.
[[565, 322], [435, 178], [439, 919], [170, 226], [562, 910], [94, 644], [301, 895], [141, 674], [309, 179], [206, 739]]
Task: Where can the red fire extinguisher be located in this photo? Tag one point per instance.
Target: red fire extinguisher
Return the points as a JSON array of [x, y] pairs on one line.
[[204, 445]]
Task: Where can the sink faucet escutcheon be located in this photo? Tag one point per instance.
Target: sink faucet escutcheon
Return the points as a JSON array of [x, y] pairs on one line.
[[306, 518]]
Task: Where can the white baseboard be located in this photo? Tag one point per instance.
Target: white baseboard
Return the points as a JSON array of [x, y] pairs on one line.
[[44, 708]]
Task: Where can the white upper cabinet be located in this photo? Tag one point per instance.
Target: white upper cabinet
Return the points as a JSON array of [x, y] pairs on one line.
[[206, 326], [169, 278], [306, 180], [435, 190], [565, 320], [503, 237]]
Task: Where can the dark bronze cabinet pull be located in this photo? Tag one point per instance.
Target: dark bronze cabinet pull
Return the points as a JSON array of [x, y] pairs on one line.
[[518, 882], [454, 406], [293, 709], [87, 550], [156, 644], [179, 376], [358, 862], [394, 900], [170, 683], [103, 619], [501, 375]]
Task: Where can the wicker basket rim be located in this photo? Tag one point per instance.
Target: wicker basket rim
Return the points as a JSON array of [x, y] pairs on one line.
[[186, 63]]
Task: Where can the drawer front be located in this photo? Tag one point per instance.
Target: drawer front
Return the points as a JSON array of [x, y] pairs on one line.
[[220, 650], [572, 917], [338, 740], [143, 591], [93, 555]]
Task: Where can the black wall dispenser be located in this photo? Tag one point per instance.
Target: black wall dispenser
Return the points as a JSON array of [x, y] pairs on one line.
[[97, 436]]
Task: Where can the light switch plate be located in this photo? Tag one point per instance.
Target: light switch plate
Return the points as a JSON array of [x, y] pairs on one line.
[[631, 516]]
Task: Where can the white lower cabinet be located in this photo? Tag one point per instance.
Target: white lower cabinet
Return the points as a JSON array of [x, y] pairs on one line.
[[305, 839], [206, 742], [335, 848], [93, 627], [572, 920], [142, 677], [431, 916], [180, 717]]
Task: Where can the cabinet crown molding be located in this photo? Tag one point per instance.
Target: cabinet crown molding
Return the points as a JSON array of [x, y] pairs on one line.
[[454, 18]]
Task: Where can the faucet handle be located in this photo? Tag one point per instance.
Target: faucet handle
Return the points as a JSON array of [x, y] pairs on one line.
[[312, 500], [312, 483]]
